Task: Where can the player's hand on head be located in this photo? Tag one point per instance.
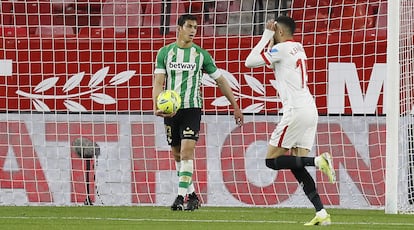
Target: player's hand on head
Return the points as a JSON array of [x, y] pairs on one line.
[[271, 25]]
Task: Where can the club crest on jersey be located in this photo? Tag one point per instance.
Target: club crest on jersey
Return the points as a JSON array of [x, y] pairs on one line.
[[187, 66], [273, 50]]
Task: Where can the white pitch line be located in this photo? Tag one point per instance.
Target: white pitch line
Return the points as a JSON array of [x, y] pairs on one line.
[[197, 221]]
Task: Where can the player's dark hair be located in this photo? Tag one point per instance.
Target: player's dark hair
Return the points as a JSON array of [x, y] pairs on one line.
[[288, 22], [183, 18]]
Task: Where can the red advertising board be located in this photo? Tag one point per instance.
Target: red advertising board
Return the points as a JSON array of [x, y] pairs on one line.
[[37, 59]]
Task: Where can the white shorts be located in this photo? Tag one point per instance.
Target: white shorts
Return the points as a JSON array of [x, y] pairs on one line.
[[297, 128]]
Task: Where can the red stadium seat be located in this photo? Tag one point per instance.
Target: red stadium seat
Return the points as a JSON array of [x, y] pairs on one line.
[[60, 6], [381, 23], [195, 8], [311, 15], [55, 31], [121, 15], [99, 32], [351, 16], [382, 16], [221, 12], [155, 17], [13, 31], [316, 15], [81, 13], [6, 13], [208, 30], [235, 6], [311, 19], [31, 14], [20, 14], [90, 6]]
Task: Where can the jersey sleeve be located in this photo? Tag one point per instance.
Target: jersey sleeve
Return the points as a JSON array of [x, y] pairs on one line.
[[267, 58], [160, 65], [258, 56], [209, 65]]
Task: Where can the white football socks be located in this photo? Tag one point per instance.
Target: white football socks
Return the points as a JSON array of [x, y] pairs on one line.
[[322, 213], [185, 177], [191, 188]]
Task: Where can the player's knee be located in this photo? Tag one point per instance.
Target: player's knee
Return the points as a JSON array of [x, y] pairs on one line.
[[272, 163]]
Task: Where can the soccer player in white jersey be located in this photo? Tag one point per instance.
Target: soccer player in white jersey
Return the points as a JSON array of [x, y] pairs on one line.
[[297, 128], [180, 66]]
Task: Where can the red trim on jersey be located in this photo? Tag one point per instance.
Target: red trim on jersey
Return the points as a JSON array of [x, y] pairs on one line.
[[265, 58], [282, 136]]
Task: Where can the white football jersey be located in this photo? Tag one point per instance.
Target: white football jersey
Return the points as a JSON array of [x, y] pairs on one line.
[[288, 60]]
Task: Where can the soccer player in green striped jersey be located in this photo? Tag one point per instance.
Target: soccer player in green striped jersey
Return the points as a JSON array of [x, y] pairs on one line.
[[180, 66]]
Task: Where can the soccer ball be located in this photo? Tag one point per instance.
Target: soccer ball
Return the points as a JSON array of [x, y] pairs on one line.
[[168, 101]]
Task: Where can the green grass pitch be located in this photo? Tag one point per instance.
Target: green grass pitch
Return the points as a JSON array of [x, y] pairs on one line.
[[216, 218]]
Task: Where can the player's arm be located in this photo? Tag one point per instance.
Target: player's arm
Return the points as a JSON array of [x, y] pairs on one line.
[[159, 80], [228, 93], [158, 87], [258, 57]]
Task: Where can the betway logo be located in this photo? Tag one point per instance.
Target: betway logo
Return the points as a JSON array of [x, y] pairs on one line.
[[182, 66], [343, 77]]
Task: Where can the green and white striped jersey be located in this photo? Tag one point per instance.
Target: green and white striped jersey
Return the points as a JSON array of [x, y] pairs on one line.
[[184, 68]]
